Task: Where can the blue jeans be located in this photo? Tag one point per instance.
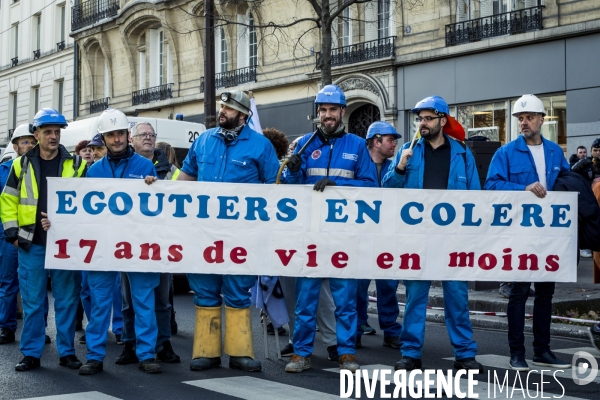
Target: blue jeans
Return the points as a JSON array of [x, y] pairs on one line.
[[542, 313], [307, 301], [208, 288], [387, 306], [66, 286], [139, 317], [162, 309], [9, 285], [456, 315]]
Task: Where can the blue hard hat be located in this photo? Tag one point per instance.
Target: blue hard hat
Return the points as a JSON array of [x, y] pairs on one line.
[[382, 128], [331, 94], [48, 116], [435, 103]]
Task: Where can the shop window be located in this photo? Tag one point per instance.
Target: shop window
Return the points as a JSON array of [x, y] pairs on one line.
[[488, 120]]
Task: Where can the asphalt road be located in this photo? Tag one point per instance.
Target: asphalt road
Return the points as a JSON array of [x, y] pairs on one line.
[[322, 381]]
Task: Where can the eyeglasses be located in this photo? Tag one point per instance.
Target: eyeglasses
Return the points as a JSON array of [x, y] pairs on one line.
[[146, 135], [426, 119], [28, 142]]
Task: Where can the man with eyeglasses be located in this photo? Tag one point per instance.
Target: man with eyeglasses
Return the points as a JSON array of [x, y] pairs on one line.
[[121, 162], [143, 141], [381, 140], [437, 161], [531, 163], [232, 152], [22, 141]]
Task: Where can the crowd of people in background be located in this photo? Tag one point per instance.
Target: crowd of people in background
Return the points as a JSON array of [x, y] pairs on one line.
[[138, 307]]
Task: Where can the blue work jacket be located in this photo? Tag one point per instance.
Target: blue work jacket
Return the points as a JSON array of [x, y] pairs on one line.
[[132, 167], [463, 175], [250, 158], [345, 160], [513, 168]]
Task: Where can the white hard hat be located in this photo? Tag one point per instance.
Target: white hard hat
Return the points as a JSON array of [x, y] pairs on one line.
[[112, 120], [528, 103], [20, 131], [9, 154]]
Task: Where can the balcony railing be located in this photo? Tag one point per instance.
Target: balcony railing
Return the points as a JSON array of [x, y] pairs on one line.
[[98, 105], [235, 77], [14, 61], [60, 46], [10, 133], [365, 51], [36, 54], [202, 85], [527, 19], [91, 11], [152, 94]]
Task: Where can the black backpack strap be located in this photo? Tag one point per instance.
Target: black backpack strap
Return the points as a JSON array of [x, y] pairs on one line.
[[76, 164]]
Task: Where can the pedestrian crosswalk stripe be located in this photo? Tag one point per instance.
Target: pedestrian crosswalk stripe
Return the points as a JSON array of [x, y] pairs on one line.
[[249, 388], [593, 351], [76, 396], [495, 361]]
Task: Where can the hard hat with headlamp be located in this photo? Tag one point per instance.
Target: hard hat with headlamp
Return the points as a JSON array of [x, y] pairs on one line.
[[237, 100]]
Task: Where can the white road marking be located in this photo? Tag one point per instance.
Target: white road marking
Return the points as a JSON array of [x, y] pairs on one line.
[[76, 396]]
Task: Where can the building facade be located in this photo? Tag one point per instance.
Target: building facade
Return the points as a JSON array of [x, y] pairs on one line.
[[145, 57], [36, 61]]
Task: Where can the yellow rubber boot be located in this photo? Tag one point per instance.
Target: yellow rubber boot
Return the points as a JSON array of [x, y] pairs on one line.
[[207, 339], [238, 340]]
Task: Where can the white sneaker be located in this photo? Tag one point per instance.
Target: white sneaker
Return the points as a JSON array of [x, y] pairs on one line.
[[584, 253]]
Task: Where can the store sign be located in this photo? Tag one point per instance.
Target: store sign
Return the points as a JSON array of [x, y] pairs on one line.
[[292, 230]]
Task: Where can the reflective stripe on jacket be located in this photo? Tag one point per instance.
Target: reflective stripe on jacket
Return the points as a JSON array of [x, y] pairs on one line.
[[18, 202]]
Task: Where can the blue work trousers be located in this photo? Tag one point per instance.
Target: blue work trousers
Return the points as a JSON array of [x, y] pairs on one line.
[[456, 316], [141, 287], [542, 316], [343, 292], [9, 285], [387, 306], [162, 309], [235, 288], [66, 286], [86, 301]]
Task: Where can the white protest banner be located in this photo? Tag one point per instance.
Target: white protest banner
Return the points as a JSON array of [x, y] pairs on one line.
[[292, 230]]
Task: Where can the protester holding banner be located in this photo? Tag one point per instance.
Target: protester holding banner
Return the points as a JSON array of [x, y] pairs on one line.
[[532, 163], [233, 152], [331, 157], [381, 142], [143, 140], [22, 141], [436, 161], [23, 206], [121, 162]]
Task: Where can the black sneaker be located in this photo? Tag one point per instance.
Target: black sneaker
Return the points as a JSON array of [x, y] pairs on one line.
[[167, 354], [391, 341], [7, 336], [127, 356], [408, 364], [332, 353], [27, 364], [287, 351], [82, 339], [518, 363], [91, 367], [150, 367], [70, 362], [468, 364], [271, 330], [548, 359]]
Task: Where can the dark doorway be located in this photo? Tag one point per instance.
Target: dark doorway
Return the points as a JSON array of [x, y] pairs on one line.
[[361, 118]]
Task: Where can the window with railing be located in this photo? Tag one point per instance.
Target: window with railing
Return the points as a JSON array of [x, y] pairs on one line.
[[494, 24], [365, 51], [156, 93], [89, 12], [235, 77]]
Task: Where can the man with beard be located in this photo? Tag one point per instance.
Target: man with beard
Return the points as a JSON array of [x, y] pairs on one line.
[[233, 152], [435, 162], [332, 158], [23, 208], [143, 140], [382, 139], [120, 162], [531, 163]]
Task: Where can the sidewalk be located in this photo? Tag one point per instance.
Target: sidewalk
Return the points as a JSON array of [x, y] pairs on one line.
[[582, 295]]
